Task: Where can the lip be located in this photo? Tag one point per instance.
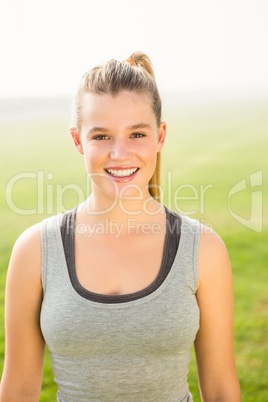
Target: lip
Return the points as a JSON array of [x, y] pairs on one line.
[[121, 167], [124, 179]]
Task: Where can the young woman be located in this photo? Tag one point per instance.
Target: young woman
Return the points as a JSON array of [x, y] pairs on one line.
[[120, 287]]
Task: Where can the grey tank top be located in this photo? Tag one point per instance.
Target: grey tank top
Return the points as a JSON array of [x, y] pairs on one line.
[[133, 348]]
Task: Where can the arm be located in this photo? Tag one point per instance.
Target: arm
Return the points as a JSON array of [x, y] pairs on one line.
[[214, 349], [24, 349]]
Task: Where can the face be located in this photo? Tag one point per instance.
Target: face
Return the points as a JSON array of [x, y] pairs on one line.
[[119, 139]]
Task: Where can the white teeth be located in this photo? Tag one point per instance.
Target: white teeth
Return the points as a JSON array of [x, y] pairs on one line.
[[121, 172]]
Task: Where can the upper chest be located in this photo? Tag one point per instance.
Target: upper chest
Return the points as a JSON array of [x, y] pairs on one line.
[[108, 264]]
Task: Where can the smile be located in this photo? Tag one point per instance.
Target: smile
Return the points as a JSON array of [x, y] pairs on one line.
[[122, 172]]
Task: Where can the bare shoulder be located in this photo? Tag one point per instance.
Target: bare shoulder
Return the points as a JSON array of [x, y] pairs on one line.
[[26, 254], [213, 258], [29, 236], [210, 242]]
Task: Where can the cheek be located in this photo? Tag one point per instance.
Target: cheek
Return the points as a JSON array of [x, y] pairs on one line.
[[93, 156], [148, 151]]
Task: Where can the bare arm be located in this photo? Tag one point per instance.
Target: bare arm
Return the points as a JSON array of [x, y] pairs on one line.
[[24, 349], [214, 349]]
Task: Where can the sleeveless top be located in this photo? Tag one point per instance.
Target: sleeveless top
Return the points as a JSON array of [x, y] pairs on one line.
[[134, 347]]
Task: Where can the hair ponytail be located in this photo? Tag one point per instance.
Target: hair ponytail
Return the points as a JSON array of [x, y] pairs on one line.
[[143, 61]]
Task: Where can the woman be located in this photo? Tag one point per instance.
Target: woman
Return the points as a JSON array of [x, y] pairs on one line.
[[120, 287]]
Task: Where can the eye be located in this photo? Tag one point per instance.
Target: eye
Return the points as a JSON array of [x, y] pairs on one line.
[[138, 135], [100, 137]]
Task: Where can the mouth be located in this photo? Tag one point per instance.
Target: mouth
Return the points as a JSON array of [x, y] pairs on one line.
[[122, 172]]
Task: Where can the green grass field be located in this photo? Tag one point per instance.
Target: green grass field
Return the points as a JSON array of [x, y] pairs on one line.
[[209, 149]]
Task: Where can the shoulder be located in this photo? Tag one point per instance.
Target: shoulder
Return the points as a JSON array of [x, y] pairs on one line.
[[26, 253], [211, 245], [213, 258], [25, 266], [29, 240]]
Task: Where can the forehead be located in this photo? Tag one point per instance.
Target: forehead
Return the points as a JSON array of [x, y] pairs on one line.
[[125, 108]]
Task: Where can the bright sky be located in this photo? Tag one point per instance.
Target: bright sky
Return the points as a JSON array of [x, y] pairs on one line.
[[46, 46]]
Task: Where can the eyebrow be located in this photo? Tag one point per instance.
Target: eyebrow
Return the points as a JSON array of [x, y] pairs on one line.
[[106, 130]]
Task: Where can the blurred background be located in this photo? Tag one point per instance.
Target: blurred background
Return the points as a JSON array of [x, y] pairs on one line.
[[211, 65]]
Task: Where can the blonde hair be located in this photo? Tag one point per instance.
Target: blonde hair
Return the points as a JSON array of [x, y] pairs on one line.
[[115, 76]]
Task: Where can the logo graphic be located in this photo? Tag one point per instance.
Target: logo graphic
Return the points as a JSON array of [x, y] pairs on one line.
[[255, 220]]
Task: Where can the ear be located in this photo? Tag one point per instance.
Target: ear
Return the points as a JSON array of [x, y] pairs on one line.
[[76, 139], [161, 136]]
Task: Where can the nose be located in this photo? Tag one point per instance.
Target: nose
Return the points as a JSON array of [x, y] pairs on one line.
[[120, 150]]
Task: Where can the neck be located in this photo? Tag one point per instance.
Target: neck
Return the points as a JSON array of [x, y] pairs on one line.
[[121, 209]]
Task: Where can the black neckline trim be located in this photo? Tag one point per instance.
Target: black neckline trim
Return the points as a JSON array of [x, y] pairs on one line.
[[170, 249]]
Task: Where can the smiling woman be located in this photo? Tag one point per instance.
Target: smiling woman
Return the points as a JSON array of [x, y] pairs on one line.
[[125, 149], [120, 287]]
